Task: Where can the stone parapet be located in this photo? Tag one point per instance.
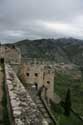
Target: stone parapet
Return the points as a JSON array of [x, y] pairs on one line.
[[24, 110]]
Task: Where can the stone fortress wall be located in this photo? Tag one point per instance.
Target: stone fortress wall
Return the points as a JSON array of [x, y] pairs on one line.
[[24, 110], [33, 72]]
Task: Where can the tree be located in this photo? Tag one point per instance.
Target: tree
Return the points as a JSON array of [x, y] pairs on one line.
[[67, 104]]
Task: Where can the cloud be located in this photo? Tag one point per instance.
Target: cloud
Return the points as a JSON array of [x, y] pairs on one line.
[[64, 28], [21, 19]]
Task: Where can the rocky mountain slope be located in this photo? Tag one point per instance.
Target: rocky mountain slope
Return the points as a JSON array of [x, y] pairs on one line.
[[59, 50]]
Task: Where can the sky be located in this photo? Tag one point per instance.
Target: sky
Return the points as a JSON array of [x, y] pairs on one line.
[[36, 19]]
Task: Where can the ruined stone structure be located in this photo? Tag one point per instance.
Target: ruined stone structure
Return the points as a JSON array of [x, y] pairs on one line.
[[33, 73], [11, 55], [24, 110], [39, 75]]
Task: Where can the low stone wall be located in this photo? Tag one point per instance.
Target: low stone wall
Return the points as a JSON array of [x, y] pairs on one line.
[[24, 110], [47, 107]]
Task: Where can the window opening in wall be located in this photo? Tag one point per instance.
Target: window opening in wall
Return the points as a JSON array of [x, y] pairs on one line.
[[48, 82], [2, 60], [36, 74], [36, 85], [27, 74]]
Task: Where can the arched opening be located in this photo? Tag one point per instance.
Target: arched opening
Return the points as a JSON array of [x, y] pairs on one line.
[[36, 86], [36, 74]]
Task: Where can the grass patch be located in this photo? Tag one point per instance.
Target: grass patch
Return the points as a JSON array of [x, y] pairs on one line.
[[70, 120], [58, 112], [62, 83]]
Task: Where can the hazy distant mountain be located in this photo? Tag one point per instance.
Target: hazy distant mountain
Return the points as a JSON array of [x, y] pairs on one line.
[[59, 50]]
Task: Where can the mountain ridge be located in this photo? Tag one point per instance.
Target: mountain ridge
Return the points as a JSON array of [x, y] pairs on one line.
[[59, 50]]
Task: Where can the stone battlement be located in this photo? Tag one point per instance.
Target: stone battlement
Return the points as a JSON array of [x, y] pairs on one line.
[[24, 110]]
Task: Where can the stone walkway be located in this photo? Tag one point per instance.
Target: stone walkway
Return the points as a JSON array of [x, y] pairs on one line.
[[24, 109], [32, 91]]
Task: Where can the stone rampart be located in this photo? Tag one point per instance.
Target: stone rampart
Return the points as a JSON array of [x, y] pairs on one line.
[[24, 110]]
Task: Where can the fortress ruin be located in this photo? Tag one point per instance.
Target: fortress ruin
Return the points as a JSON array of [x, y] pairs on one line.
[[32, 73], [37, 80], [38, 75]]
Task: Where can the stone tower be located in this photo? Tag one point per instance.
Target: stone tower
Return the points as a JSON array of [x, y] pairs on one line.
[[11, 54], [39, 75]]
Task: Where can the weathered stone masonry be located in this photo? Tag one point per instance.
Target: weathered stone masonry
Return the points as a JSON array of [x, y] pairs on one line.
[[24, 110], [32, 74]]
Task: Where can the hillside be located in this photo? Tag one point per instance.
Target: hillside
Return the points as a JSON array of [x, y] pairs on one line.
[[68, 75], [59, 50]]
